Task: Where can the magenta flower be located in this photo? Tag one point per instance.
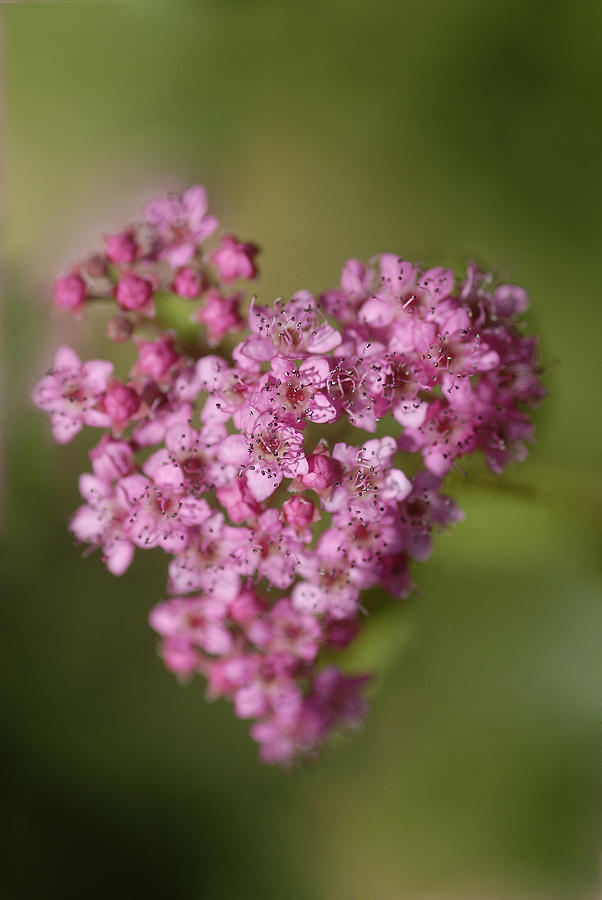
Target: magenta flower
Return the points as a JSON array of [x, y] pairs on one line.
[[161, 511], [199, 620], [292, 330], [269, 453], [181, 223], [289, 472], [72, 392], [189, 283], [101, 522], [220, 314], [155, 358], [234, 259]]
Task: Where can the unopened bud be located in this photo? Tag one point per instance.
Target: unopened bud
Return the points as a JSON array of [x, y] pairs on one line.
[[119, 329]]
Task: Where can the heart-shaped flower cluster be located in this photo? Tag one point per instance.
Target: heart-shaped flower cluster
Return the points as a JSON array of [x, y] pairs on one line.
[[269, 469]]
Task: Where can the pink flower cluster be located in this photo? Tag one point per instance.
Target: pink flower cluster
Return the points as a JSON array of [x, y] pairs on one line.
[[248, 465]]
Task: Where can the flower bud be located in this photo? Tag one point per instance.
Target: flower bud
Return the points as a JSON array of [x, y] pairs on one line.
[[70, 293], [121, 248], [118, 329], [189, 283], [134, 292], [298, 512], [121, 402]]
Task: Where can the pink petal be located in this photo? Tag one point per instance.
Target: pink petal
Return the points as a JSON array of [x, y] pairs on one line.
[[377, 313], [262, 482], [235, 450], [66, 358], [169, 475], [92, 488], [326, 338], [308, 598], [95, 374], [195, 201], [410, 413], [64, 429], [119, 557]]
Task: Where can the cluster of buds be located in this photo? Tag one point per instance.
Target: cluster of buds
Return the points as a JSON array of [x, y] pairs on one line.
[[232, 458]]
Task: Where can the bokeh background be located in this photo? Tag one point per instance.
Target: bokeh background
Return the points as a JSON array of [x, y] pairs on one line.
[[323, 129]]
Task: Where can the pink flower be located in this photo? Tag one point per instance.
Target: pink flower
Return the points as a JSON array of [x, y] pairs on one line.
[[215, 559], [343, 303], [246, 607], [196, 455], [296, 393], [447, 433], [200, 620], [235, 259], [101, 522], [283, 630], [226, 461], [180, 656], [182, 224], [112, 459], [272, 689], [161, 514], [272, 451], [337, 700], [423, 509], [155, 358], [238, 501], [71, 393], [291, 330], [220, 314], [162, 414]]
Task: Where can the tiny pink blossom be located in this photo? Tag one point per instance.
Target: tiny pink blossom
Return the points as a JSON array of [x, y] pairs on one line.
[[155, 358], [221, 315], [182, 224], [189, 283], [100, 522], [112, 459], [180, 656], [198, 619], [238, 501], [234, 259], [72, 393], [246, 607]]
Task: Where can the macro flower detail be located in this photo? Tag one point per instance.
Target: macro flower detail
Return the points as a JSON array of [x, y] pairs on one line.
[[287, 457], [181, 224], [72, 392]]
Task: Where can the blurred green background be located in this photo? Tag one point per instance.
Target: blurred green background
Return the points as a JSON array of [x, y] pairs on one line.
[[441, 131]]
